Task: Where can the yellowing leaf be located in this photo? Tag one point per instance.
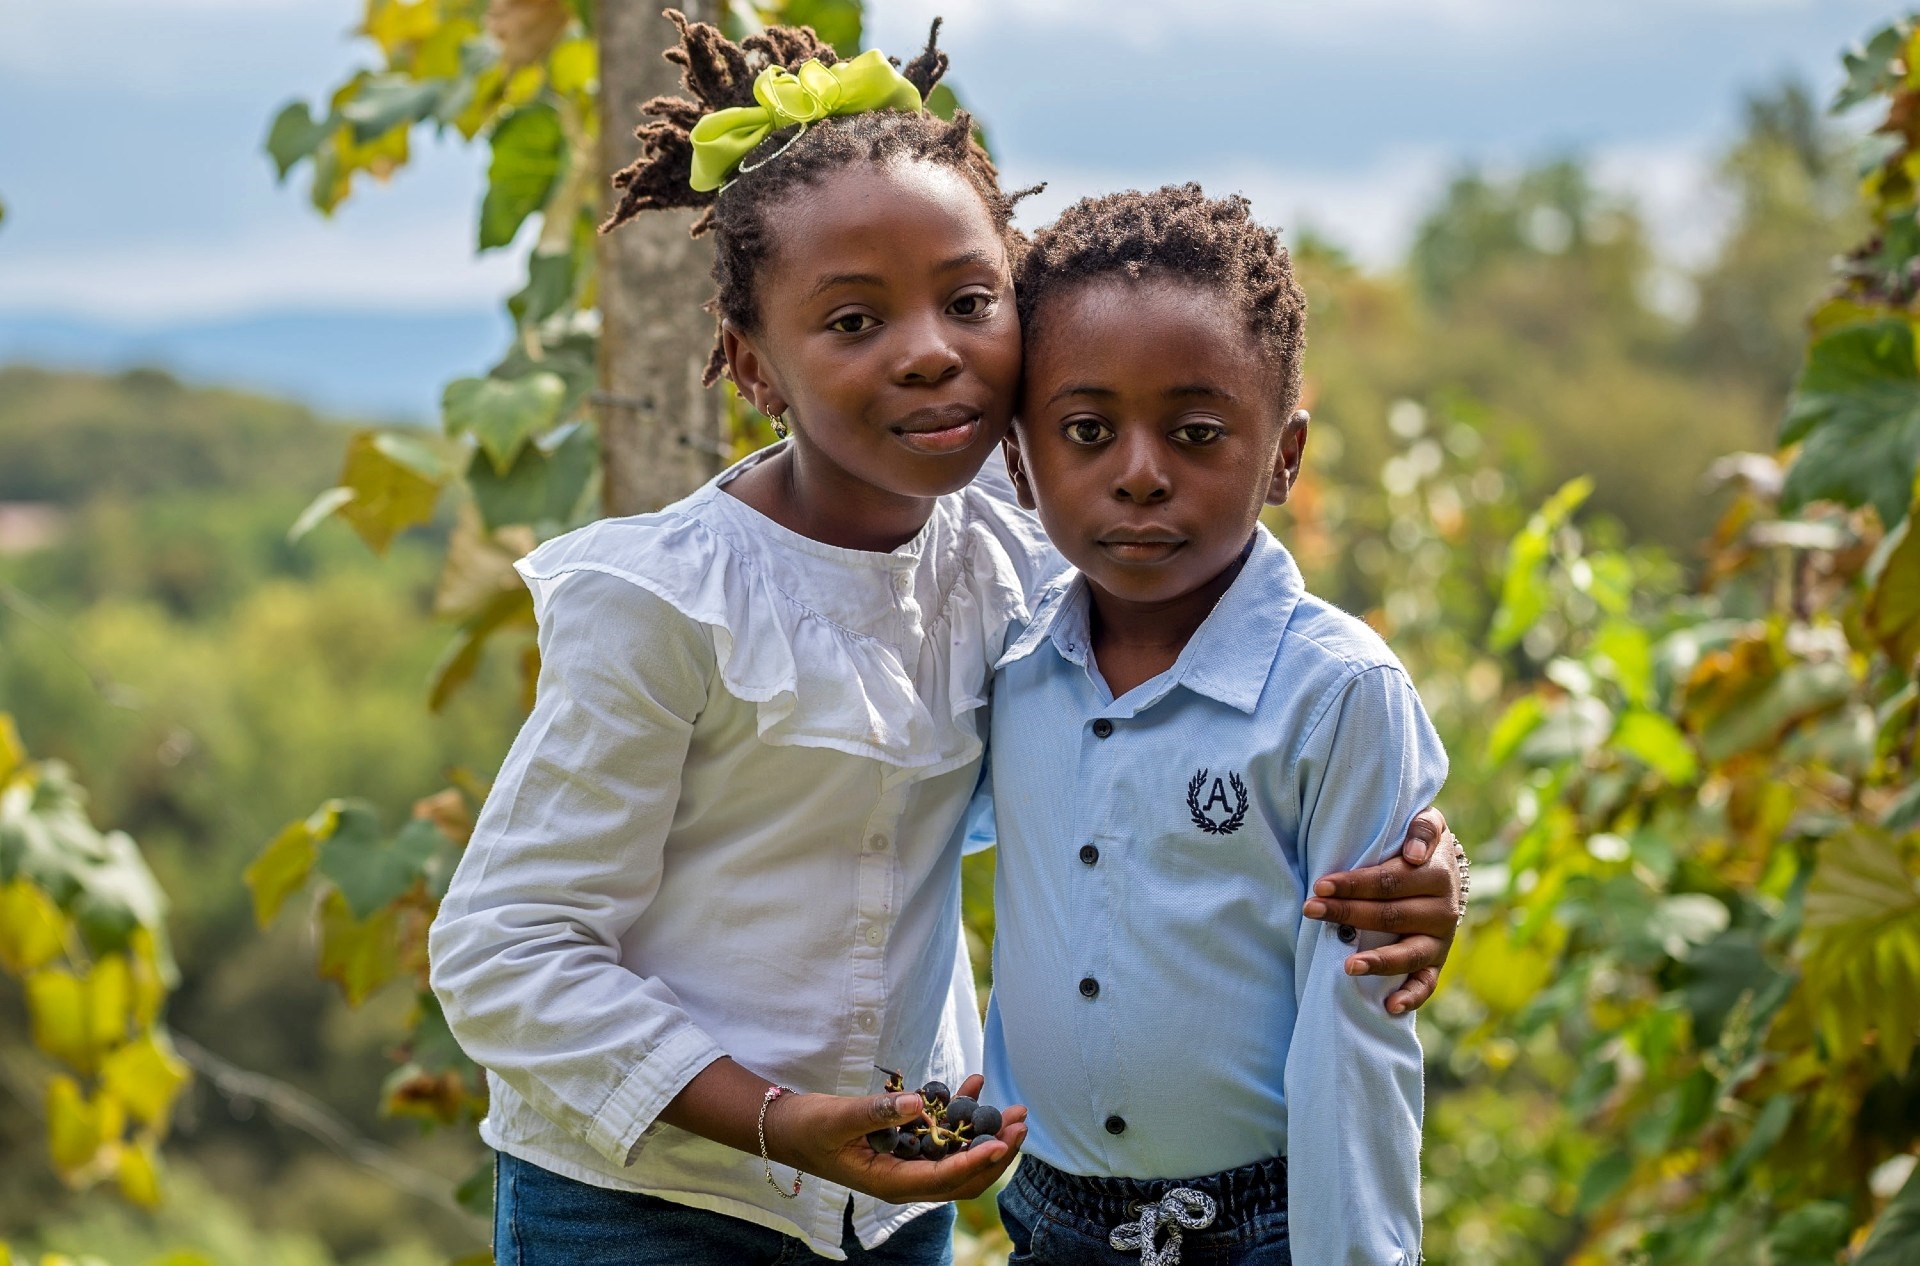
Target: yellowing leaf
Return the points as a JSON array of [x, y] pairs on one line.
[[1862, 962], [438, 56], [57, 1010], [280, 870], [574, 66], [1893, 607], [395, 485], [360, 954], [1859, 881], [523, 85], [13, 753], [109, 1001], [32, 929], [146, 1076], [78, 1129], [139, 1174], [392, 23], [149, 978], [1502, 973]]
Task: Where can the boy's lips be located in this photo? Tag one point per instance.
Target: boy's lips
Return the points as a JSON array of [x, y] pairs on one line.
[[946, 429], [1130, 546]]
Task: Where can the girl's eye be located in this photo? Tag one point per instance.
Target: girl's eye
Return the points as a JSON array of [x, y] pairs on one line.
[[976, 304], [1086, 431], [1198, 433], [853, 323]]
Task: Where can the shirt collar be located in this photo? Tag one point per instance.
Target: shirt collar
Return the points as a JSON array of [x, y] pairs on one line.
[[1230, 655]]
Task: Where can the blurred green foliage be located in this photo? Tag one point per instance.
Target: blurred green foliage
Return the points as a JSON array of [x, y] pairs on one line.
[[1682, 739]]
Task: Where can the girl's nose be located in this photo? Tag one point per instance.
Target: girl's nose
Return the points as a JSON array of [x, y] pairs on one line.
[[1141, 478], [928, 355]]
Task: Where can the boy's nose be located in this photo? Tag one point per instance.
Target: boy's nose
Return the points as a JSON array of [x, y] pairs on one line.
[[1141, 478]]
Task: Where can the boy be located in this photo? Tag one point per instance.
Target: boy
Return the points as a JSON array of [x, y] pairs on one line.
[[1183, 740]]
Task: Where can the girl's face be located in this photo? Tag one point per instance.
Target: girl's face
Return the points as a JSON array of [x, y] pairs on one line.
[[887, 327], [1150, 434]]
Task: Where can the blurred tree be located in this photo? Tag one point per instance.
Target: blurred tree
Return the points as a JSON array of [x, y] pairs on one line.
[[1791, 183]]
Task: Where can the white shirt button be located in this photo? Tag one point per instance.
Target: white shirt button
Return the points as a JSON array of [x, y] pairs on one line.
[[866, 1021], [874, 934], [876, 843]]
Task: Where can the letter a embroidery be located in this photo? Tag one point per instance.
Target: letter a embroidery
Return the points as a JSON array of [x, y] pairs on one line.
[[1232, 812], [1220, 794]]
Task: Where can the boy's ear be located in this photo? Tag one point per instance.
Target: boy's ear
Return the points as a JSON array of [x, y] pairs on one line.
[[1017, 470], [1286, 462], [749, 370]]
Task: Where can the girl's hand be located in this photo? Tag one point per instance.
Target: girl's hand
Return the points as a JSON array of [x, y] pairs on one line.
[[1420, 894], [826, 1135]]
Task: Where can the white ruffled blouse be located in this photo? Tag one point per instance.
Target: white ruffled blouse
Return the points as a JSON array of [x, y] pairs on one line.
[[732, 825]]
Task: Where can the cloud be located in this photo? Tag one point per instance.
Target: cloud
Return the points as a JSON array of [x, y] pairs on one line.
[[302, 265], [1372, 211], [1369, 211]]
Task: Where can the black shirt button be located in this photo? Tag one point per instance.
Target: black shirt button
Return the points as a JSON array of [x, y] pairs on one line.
[[1089, 854], [1116, 1125], [1089, 987], [1102, 728], [1347, 934]]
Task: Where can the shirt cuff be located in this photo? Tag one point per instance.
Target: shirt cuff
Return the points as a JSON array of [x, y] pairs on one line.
[[638, 1101]]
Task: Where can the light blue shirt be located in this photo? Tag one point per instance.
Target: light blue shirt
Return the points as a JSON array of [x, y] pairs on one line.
[[1160, 1004]]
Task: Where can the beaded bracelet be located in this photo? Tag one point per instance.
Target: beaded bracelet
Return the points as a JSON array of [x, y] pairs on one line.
[[766, 1101]]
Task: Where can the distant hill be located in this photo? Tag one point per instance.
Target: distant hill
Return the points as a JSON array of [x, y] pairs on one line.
[[364, 363], [66, 437]]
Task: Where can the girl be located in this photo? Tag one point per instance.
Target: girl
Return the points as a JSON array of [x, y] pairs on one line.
[[721, 858]]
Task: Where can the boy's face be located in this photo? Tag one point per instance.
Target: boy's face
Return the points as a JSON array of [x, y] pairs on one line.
[[1149, 434]]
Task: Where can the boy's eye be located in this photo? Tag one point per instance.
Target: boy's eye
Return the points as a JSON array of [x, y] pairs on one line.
[[1198, 433], [1086, 431], [975, 304], [853, 323]]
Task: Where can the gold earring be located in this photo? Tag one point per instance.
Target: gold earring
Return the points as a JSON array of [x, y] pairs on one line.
[[779, 421]]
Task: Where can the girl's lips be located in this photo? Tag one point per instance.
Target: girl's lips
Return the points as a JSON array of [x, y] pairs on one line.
[[941, 440]]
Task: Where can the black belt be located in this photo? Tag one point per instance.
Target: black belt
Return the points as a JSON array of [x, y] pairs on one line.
[[1241, 1194]]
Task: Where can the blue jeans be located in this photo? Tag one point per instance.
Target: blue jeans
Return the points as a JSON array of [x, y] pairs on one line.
[[1060, 1219], [543, 1219]]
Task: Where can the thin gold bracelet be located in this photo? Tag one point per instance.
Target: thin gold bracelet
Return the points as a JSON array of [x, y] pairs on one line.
[[766, 1101]]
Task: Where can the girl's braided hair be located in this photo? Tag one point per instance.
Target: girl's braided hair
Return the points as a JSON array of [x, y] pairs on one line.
[[1179, 233], [719, 73]]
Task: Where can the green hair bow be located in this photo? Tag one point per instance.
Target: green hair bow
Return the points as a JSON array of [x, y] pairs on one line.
[[814, 92]]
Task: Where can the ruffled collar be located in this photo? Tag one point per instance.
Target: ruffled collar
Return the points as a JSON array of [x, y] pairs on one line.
[[881, 656]]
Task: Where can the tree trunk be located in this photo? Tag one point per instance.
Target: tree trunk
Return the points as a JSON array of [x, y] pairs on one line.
[[661, 433]]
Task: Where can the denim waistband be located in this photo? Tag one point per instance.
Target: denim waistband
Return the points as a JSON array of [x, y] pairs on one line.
[[1248, 1192]]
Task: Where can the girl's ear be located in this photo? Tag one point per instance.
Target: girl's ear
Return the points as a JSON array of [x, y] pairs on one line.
[[1017, 470], [1286, 462], [749, 370]]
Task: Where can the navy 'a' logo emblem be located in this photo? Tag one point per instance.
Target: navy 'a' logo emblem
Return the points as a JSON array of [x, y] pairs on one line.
[[1218, 805]]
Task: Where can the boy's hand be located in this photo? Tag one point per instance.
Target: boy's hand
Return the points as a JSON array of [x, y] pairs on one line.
[[1420, 895], [827, 1135]]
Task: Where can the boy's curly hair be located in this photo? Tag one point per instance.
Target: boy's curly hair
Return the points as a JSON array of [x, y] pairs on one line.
[[1176, 232], [719, 73]]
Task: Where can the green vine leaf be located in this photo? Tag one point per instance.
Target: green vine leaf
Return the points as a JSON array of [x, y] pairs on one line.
[[370, 871], [295, 135], [529, 155], [1896, 1236], [503, 413], [1856, 415]]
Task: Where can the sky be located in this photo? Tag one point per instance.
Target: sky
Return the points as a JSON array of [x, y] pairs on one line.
[[137, 193]]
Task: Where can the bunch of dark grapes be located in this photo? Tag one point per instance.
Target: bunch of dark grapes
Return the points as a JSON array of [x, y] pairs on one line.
[[946, 1124]]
